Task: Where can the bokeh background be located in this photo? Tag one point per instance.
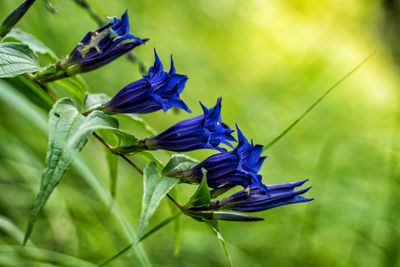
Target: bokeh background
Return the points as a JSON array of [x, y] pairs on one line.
[[269, 60]]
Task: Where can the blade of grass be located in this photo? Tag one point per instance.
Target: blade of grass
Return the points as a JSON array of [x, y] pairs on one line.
[[22, 106], [276, 139], [160, 225], [176, 228], [214, 227], [150, 232], [41, 256], [7, 226]]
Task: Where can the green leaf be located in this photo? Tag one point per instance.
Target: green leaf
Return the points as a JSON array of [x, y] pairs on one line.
[[221, 190], [16, 59], [34, 44], [140, 122], [89, 175], [231, 216], [69, 132], [75, 85], [213, 224], [32, 91], [149, 156], [202, 195], [112, 161], [111, 158], [125, 140], [7, 226], [39, 257], [155, 188], [178, 163], [118, 140], [177, 226], [23, 107], [93, 101]]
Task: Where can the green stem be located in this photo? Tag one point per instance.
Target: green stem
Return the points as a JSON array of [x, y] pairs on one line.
[[14, 17], [150, 232], [276, 139]]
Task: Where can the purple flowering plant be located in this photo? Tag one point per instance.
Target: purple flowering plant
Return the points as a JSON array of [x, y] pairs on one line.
[[235, 163]]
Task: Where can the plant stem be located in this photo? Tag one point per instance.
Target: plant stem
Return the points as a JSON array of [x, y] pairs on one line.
[[276, 139], [174, 201], [153, 230], [44, 88], [117, 255], [130, 162], [101, 140]]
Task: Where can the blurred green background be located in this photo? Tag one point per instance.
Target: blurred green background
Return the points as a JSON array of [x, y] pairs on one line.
[[269, 60]]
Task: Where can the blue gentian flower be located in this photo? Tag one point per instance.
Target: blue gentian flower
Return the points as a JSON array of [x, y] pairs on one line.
[[96, 50], [259, 199], [156, 90], [102, 46], [237, 167], [200, 132]]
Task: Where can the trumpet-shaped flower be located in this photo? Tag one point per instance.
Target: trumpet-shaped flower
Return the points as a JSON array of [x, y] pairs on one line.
[[259, 199], [102, 46], [203, 131], [96, 49], [156, 90], [237, 167]]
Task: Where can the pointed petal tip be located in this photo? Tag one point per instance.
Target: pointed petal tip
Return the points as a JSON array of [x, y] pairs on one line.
[[302, 191], [205, 109], [219, 100], [303, 182], [172, 69]]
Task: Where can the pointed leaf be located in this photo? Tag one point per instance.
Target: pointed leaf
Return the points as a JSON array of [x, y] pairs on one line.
[[75, 85], [231, 216], [149, 156], [155, 188], [202, 195], [69, 132], [16, 59], [112, 162], [177, 226], [93, 101], [119, 140], [221, 190], [32, 91], [8, 227], [140, 122], [213, 224], [34, 44], [179, 162], [125, 140]]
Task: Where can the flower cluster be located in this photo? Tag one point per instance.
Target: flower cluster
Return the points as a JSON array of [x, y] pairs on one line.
[[161, 90]]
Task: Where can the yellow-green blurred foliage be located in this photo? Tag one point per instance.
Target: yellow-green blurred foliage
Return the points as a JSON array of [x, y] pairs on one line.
[[269, 60]]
